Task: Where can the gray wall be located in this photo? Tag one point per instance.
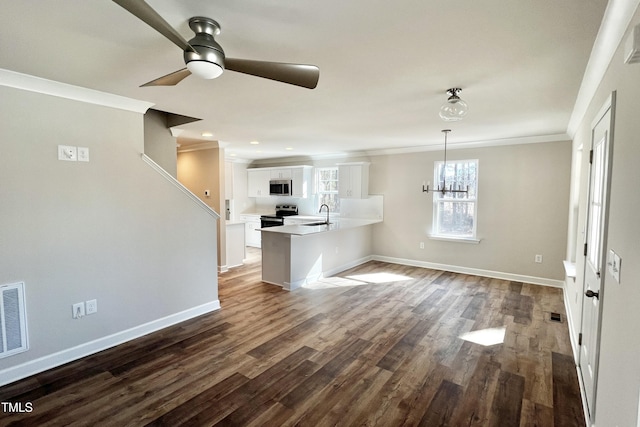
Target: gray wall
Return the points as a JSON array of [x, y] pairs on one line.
[[523, 197], [159, 144], [112, 229], [618, 387]]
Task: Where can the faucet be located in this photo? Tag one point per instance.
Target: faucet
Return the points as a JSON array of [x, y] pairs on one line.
[[327, 206]]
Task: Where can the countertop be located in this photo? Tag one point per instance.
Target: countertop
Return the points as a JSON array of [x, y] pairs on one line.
[[334, 225]]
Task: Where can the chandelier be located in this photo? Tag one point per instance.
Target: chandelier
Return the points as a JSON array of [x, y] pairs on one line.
[[442, 184]]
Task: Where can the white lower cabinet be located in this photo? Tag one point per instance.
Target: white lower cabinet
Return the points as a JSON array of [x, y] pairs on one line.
[[252, 233], [235, 244]]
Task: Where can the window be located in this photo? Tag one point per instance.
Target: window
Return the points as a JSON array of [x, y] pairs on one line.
[[327, 180], [454, 214]]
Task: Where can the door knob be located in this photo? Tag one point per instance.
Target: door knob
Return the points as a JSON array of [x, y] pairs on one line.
[[592, 294]]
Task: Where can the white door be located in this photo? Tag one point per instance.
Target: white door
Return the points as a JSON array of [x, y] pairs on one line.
[[595, 248]]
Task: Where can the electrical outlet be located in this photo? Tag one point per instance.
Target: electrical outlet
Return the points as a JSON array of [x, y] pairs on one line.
[[78, 310], [83, 154], [539, 259], [92, 306], [421, 245]]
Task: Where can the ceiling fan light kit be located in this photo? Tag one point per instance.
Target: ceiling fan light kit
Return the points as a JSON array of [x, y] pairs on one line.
[[454, 109], [207, 61], [205, 58]]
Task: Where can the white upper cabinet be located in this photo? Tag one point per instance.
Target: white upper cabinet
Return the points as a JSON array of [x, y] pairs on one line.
[[300, 176], [301, 181], [258, 182], [353, 180], [281, 174]]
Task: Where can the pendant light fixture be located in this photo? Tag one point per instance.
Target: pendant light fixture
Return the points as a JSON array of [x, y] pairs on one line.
[[442, 184], [454, 108]]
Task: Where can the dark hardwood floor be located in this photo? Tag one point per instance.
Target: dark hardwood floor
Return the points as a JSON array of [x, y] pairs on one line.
[[377, 346]]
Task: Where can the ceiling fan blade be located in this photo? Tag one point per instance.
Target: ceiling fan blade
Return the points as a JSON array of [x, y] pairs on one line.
[[170, 79], [145, 13], [295, 74]]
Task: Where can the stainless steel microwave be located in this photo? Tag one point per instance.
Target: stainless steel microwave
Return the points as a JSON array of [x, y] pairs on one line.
[[280, 187]]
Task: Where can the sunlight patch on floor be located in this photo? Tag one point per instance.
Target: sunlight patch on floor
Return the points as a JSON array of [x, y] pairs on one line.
[[333, 282], [356, 280], [381, 277], [485, 337]]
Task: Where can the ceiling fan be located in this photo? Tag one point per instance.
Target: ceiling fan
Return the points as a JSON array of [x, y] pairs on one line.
[[205, 58]]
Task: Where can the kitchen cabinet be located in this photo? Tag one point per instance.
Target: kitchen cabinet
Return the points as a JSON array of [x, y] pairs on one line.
[[280, 173], [353, 180], [258, 182], [235, 243], [300, 176], [301, 181], [252, 236]]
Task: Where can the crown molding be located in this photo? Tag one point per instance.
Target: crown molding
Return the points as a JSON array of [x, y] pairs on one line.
[[473, 144], [615, 21]]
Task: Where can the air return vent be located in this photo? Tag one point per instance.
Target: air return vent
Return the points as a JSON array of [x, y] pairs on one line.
[[13, 322]]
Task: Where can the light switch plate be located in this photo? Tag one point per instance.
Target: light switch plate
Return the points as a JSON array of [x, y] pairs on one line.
[[617, 265], [614, 263], [68, 153]]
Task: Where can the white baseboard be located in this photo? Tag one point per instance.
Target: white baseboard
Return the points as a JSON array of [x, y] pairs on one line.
[[575, 348], [573, 339], [472, 271], [36, 366]]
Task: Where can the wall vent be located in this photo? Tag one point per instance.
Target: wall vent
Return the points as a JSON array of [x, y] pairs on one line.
[[13, 320]]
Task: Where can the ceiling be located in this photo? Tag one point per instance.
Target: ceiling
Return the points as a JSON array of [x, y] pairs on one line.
[[384, 67]]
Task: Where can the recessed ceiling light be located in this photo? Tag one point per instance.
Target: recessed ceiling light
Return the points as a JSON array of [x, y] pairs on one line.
[[289, 148], [254, 142], [207, 134]]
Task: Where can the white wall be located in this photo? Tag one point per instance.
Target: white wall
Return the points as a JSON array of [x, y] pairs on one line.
[[619, 377], [111, 229]]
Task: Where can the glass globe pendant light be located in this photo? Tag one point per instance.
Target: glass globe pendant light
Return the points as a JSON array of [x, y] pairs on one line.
[[454, 108]]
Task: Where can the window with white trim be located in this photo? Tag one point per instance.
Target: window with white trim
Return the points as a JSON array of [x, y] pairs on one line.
[[327, 185], [455, 213]]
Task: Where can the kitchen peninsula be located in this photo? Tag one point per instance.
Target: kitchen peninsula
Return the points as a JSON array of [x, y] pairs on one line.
[[294, 255]]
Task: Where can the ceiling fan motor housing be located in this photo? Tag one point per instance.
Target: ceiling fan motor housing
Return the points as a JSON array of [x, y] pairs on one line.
[[207, 49]]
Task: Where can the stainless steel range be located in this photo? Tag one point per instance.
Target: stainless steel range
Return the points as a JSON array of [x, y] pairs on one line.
[[277, 219]]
